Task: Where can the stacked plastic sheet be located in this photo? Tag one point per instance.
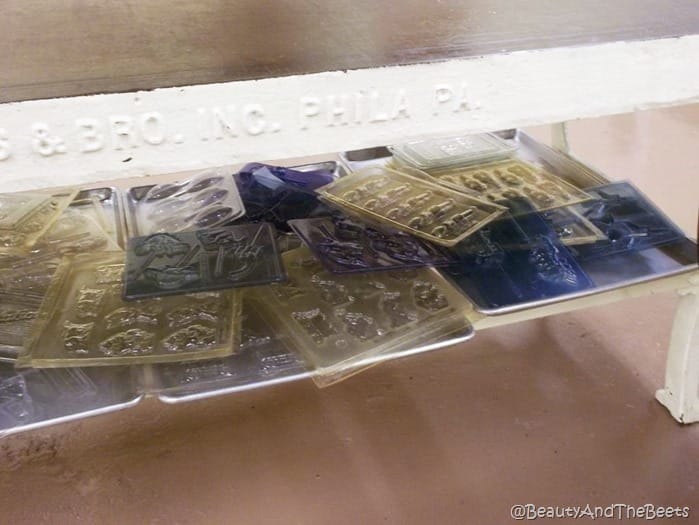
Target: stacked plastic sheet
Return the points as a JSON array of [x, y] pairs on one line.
[[224, 281]]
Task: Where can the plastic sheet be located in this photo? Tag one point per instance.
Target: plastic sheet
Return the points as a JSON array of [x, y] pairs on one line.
[[344, 245], [511, 180], [84, 322], [185, 262], [25, 216], [263, 358], [516, 260], [205, 201], [337, 321], [433, 212], [453, 151], [628, 219]]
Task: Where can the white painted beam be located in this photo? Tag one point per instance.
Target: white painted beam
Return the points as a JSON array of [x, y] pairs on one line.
[[91, 138]]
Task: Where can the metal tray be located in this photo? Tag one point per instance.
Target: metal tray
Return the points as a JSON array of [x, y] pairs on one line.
[[365, 158], [32, 399], [330, 165], [623, 270], [337, 321], [566, 167], [251, 374]]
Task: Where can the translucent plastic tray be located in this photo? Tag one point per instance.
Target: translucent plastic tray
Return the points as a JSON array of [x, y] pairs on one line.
[[185, 262], [528, 149], [277, 195], [207, 200], [35, 398], [18, 309], [263, 358], [452, 151], [25, 216], [265, 366], [433, 212], [84, 322], [571, 227], [343, 245], [515, 262], [504, 181], [75, 231], [627, 218], [337, 321], [24, 280], [103, 205]]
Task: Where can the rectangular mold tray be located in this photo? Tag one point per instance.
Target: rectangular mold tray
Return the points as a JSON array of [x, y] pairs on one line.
[[560, 164], [337, 321], [186, 262], [24, 280], [343, 245], [34, 398], [84, 322], [514, 262], [628, 219], [442, 152], [262, 359], [430, 211], [25, 216], [108, 213], [206, 200], [265, 367], [512, 179], [571, 227], [18, 309]]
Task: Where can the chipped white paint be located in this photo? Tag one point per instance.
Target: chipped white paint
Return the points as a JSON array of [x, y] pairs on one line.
[[84, 139]]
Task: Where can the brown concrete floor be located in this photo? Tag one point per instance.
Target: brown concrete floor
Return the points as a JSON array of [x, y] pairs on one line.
[[558, 411]]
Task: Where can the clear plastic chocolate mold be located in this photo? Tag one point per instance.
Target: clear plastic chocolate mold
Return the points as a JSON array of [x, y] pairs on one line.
[[424, 209], [83, 321], [628, 219], [175, 263], [510, 180], [207, 200], [25, 216], [344, 245], [337, 322], [461, 150]]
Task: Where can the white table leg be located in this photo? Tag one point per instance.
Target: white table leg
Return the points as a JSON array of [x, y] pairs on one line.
[[681, 393], [559, 137]]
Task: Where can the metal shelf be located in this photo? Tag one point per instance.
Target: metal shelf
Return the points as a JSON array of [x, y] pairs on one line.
[[158, 87]]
